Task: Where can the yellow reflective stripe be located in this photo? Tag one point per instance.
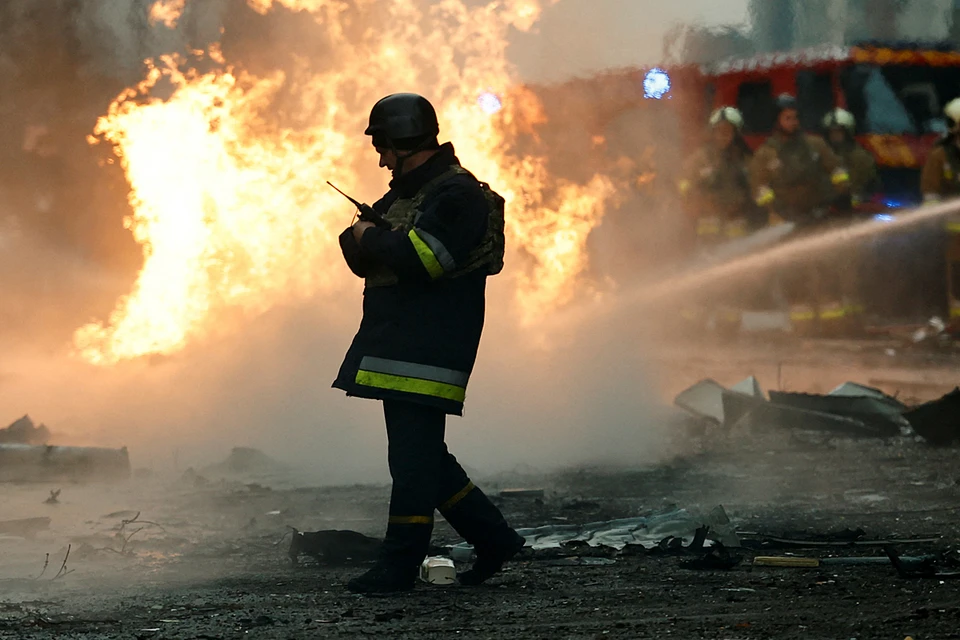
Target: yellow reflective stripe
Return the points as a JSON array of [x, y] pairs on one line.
[[840, 176], [684, 186], [460, 495], [955, 312], [952, 227], [765, 196], [430, 262], [410, 520], [931, 198], [411, 385], [736, 228], [708, 226], [802, 314]]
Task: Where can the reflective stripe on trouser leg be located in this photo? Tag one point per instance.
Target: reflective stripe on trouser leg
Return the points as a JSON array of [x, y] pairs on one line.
[[457, 497]]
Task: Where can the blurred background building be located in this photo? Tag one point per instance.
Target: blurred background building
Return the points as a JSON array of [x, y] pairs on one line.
[[778, 25]]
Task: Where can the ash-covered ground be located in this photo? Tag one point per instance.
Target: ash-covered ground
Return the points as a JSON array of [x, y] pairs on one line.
[[203, 554]]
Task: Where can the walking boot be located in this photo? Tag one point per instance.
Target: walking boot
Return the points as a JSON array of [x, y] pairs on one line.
[[384, 578], [481, 524], [490, 560]]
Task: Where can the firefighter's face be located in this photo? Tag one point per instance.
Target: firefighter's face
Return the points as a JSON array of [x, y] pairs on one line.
[[723, 134], [837, 135], [388, 158], [789, 121]]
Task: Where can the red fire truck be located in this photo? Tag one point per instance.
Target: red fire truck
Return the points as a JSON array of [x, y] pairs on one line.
[[896, 92]]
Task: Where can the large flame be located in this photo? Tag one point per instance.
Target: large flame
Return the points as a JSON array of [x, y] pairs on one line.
[[228, 199]]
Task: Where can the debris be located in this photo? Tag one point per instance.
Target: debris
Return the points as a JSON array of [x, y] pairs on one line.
[[846, 538], [756, 413], [578, 561], [27, 463], [54, 497], [922, 567], [703, 400], [23, 431], [438, 570], [716, 558], [522, 493], [25, 528], [884, 415], [784, 561], [333, 547], [749, 387], [938, 422], [647, 531]]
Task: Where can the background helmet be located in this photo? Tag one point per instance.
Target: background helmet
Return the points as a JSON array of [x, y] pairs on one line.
[[727, 114], [403, 121], [952, 111], [840, 119], [786, 101]]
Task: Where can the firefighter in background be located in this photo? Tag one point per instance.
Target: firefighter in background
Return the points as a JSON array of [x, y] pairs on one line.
[[716, 188], [840, 128], [797, 178], [940, 181]]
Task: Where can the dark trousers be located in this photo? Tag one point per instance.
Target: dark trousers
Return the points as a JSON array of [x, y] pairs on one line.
[[426, 477]]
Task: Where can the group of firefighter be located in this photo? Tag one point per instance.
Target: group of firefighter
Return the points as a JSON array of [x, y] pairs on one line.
[[811, 181]]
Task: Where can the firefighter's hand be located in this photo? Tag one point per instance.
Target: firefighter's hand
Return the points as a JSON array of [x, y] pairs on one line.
[[359, 227]]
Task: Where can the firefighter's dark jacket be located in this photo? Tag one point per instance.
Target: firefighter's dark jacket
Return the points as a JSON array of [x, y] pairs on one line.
[[420, 331]]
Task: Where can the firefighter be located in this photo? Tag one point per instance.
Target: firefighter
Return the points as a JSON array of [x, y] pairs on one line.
[[940, 181], [840, 126], [716, 181], [423, 310], [797, 177], [716, 188]]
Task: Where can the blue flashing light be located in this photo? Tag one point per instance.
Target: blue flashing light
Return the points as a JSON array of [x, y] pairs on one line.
[[490, 103], [884, 217], [893, 204], [656, 84]]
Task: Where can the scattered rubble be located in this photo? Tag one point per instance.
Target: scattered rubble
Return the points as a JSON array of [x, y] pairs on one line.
[[333, 548], [851, 409], [23, 431], [938, 422]]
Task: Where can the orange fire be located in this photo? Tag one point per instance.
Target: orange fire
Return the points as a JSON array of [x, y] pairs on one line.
[[167, 11], [229, 205]]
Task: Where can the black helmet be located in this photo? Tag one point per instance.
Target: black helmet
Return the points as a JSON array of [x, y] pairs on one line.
[[404, 117], [786, 101]]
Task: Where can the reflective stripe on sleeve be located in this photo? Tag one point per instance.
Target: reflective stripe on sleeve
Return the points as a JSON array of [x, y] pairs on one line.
[[840, 176], [430, 261], [443, 256]]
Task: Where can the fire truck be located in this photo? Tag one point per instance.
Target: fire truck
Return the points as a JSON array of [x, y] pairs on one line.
[[897, 92]]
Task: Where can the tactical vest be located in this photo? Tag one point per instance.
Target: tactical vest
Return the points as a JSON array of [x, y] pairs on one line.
[[404, 213]]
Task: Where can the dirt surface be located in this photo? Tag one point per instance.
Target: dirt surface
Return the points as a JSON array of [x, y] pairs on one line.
[[201, 557]]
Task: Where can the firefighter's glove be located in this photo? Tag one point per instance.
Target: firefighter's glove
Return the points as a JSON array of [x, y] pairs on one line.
[[353, 253]]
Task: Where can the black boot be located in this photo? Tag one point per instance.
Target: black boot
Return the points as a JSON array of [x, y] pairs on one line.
[[481, 524], [384, 578], [490, 560]]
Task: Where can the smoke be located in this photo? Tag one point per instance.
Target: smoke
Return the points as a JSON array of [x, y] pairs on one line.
[[540, 397]]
